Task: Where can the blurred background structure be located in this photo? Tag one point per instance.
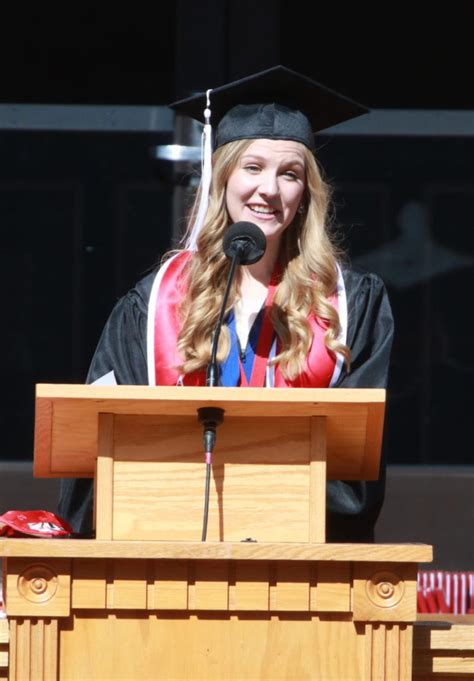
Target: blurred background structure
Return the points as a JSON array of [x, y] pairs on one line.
[[90, 200]]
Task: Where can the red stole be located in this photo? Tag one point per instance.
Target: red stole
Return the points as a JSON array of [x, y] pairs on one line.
[[167, 295]]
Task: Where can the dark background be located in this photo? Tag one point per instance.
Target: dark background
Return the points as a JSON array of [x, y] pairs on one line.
[[99, 53], [85, 214]]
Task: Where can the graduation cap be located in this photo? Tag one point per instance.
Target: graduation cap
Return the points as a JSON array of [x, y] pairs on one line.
[[274, 104]]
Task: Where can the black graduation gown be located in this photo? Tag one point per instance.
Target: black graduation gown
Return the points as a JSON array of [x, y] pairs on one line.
[[352, 507]]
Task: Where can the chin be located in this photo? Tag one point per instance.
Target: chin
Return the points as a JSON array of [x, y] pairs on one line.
[[271, 230]]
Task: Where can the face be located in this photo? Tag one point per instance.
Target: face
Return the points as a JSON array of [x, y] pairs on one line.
[[267, 185]]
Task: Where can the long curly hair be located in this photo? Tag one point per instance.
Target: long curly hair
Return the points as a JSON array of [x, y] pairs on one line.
[[309, 275]]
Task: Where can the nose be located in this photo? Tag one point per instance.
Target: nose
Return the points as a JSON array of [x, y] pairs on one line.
[[269, 184]]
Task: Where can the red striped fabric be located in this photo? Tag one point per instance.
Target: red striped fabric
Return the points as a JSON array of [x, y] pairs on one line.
[[440, 591]]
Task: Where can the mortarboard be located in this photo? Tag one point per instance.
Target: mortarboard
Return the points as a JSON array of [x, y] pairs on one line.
[[274, 104]]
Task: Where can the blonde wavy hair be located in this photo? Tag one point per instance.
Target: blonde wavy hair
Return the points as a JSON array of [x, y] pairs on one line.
[[309, 275]]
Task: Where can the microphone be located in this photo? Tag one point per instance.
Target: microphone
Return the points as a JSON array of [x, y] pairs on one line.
[[246, 240], [244, 244]]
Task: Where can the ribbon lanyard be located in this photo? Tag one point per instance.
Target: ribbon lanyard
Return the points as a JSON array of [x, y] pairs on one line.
[[264, 345]]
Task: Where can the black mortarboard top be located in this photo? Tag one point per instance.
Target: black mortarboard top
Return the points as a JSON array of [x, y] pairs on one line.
[[274, 104]]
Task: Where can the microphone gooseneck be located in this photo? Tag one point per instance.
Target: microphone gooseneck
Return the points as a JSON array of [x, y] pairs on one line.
[[210, 418], [244, 244]]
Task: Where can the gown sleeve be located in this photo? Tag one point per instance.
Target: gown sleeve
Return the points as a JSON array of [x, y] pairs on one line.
[[121, 349], [353, 507]]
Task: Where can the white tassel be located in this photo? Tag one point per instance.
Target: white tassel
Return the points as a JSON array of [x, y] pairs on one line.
[[206, 176]]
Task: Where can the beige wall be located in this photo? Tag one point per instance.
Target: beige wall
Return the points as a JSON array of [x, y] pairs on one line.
[[433, 505]]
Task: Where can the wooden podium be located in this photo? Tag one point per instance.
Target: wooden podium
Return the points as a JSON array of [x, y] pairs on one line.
[[264, 598]]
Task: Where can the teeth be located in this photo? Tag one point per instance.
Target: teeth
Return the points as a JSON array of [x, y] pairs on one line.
[[262, 209]]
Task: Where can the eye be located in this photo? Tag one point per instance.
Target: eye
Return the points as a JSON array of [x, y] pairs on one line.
[[252, 167], [290, 175]]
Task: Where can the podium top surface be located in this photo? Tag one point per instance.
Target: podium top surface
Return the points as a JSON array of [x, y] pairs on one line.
[[236, 401], [93, 548], [66, 429]]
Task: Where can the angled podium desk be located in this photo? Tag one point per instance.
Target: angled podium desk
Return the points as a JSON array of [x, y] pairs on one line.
[[147, 600]]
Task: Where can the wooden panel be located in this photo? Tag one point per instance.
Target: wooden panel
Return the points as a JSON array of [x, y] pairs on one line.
[[317, 493], [260, 483], [365, 636], [127, 585], [444, 618], [346, 442], [211, 586], [369, 465], [389, 650], [443, 651], [219, 585], [174, 400], [4, 639], [384, 593], [333, 593], [292, 587], [444, 637], [392, 652], [251, 590], [104, 504], [74, 438], [222, 646], [37, 644], [406, 648], [168, 589], [261, 440], [89, 583], [43, 427], [84, 548], [432, 665], [51, 641], [33, 650], [323, 587], [38, 588], [378, 653]]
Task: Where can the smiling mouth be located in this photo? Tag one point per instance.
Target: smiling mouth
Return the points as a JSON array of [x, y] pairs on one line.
[[261, 210]]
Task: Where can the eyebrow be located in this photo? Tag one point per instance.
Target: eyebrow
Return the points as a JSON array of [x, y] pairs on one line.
[[293, 161]]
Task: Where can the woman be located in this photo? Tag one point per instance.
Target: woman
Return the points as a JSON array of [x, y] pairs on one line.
[[324, 326]]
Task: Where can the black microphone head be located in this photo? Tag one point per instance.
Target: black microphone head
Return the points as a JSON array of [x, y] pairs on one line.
[[245, 240]]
